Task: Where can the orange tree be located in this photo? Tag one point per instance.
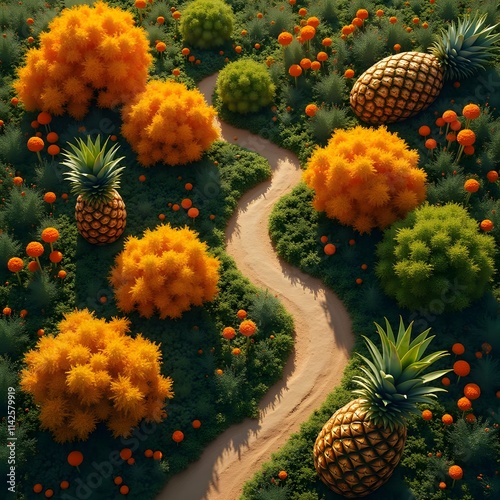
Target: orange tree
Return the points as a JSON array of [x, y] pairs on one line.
[[168, 123], [92, 372], [87, 52], [168, 270], [365, 178]]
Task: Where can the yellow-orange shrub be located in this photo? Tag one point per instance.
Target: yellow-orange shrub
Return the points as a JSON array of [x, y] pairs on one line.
[[365, 178], [88, 52], [167, 271], [92, 372], [168, 123]]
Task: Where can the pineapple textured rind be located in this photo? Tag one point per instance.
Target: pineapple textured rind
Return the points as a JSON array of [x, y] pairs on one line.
[[397, 87], [359, 447], [353, 456]]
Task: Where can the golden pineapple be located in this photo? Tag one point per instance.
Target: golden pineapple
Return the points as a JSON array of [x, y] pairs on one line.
[[359, 447], [102, 223], [94, 176], [400, 86]]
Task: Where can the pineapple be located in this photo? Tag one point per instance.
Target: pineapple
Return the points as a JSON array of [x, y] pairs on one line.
[[359, 447], [400, 86], [94, 176]]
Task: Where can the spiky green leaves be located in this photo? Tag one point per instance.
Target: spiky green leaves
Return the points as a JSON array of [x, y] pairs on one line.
[[93, 173], [394, 381], [466, 47]]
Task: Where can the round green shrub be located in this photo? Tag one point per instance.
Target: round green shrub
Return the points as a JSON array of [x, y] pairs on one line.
[[245, 86], [206, 24], [435, 259]]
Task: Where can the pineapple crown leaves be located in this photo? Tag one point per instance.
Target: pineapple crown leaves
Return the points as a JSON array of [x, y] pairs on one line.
[[465, 47], [393, 381], [93, 172]]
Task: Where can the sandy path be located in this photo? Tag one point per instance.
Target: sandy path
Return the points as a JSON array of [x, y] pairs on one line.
[[323, 337]]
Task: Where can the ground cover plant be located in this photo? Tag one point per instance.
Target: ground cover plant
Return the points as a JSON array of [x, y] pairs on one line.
[[312, 53]]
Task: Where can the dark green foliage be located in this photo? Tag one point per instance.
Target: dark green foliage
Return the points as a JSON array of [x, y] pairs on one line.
[[493, 148], [484, 127], [8, 378], [41, 290], [245, 86], [9, 248], [326, 121], [229, 386], [265, 310], [448, 189], [22, 213], [10, 50], [326, 11], [473, 443], [331, 89], [293, 53], [435, 259], [424, 37], [13, 337], [282, 19], [273, 492], [207, 24], [490, 8], [395, 33], [12, 145], [48, 175], [442, 164], [447, 10], [368, 48], [485, 373]]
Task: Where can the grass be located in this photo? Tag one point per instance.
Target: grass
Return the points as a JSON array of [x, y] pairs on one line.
[[192, 346]]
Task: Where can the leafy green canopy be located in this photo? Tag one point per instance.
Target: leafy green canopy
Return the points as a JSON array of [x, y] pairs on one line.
[[436, 259], [245, 86], [206, 24], [394, 381]]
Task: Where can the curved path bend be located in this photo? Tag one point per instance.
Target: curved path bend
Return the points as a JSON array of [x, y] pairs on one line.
[[323, 337]]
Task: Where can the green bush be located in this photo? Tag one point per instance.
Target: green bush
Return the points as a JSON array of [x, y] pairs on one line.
[[245, 86], [471, 443], [42, 291], [326, 121], [332, 89], [367, 49], [435, 259], [206, 24], [9, 248], [10, 50], [13, 148], [448, 10], [12, 336], [22, 212]]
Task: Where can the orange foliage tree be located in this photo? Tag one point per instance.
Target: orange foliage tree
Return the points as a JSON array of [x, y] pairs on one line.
[[167, 271], [365, 178], [169, 123], [87, 52], [92, 372]]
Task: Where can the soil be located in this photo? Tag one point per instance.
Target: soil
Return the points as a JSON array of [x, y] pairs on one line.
[[323, 336]]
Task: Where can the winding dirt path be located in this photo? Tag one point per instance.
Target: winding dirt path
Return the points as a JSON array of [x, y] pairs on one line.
[[323, 338]]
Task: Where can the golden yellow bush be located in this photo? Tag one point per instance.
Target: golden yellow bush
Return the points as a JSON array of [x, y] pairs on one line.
[[169, 123], [365, 178], [167, 271], [87, 53], [92, 372]]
